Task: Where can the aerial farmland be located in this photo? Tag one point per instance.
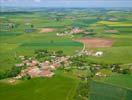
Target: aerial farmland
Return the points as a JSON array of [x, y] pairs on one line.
[[65, 53]]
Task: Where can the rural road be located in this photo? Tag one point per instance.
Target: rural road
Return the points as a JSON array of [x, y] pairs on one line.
[[77, 54]]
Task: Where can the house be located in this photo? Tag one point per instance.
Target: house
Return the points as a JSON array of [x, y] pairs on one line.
[[35, 62], [30, 63], [52, 67], [76, 30], [56, 65], [66, 63], [45, 65], [100, 74], [18, 77], [46, 73], [19, 65], [99, 53], [34, 72], [22, 57]]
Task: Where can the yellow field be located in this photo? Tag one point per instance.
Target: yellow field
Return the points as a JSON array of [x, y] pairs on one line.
[[114, 23]]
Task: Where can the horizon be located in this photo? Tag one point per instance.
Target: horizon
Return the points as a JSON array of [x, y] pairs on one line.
[[67, 3]]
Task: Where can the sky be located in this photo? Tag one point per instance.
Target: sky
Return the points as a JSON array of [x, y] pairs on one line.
[[67, 3]]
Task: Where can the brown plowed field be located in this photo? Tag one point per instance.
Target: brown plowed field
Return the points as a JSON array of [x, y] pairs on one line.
[[95, 42], [45, 30]]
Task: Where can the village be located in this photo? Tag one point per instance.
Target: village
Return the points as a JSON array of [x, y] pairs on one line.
[[72, 32], [32, 67], [35, 68]]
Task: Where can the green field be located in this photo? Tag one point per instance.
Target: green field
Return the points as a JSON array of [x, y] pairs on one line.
[[117, 87], [57, 88]]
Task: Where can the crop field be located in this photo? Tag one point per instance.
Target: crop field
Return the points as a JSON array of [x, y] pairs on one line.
[[56, 88], [112, 88], [115, 23]]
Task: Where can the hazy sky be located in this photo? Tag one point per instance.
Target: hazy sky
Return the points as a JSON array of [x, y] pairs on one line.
[[67, 3]]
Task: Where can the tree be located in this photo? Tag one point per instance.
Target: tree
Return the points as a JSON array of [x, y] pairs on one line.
[[116, 67], [14, 71], [12, 26], [59, 53], [126, 71], [32, 26], [11, 73], [26, 77]]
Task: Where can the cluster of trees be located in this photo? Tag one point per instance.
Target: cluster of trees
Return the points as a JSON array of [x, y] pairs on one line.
[[13, 72], [59, 53], [26, 77], [82, 61], [79, 61], [10, 73], [42, 54], [121, 69]]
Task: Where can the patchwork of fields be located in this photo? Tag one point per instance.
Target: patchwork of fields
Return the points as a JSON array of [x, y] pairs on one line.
[[23, 33]]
